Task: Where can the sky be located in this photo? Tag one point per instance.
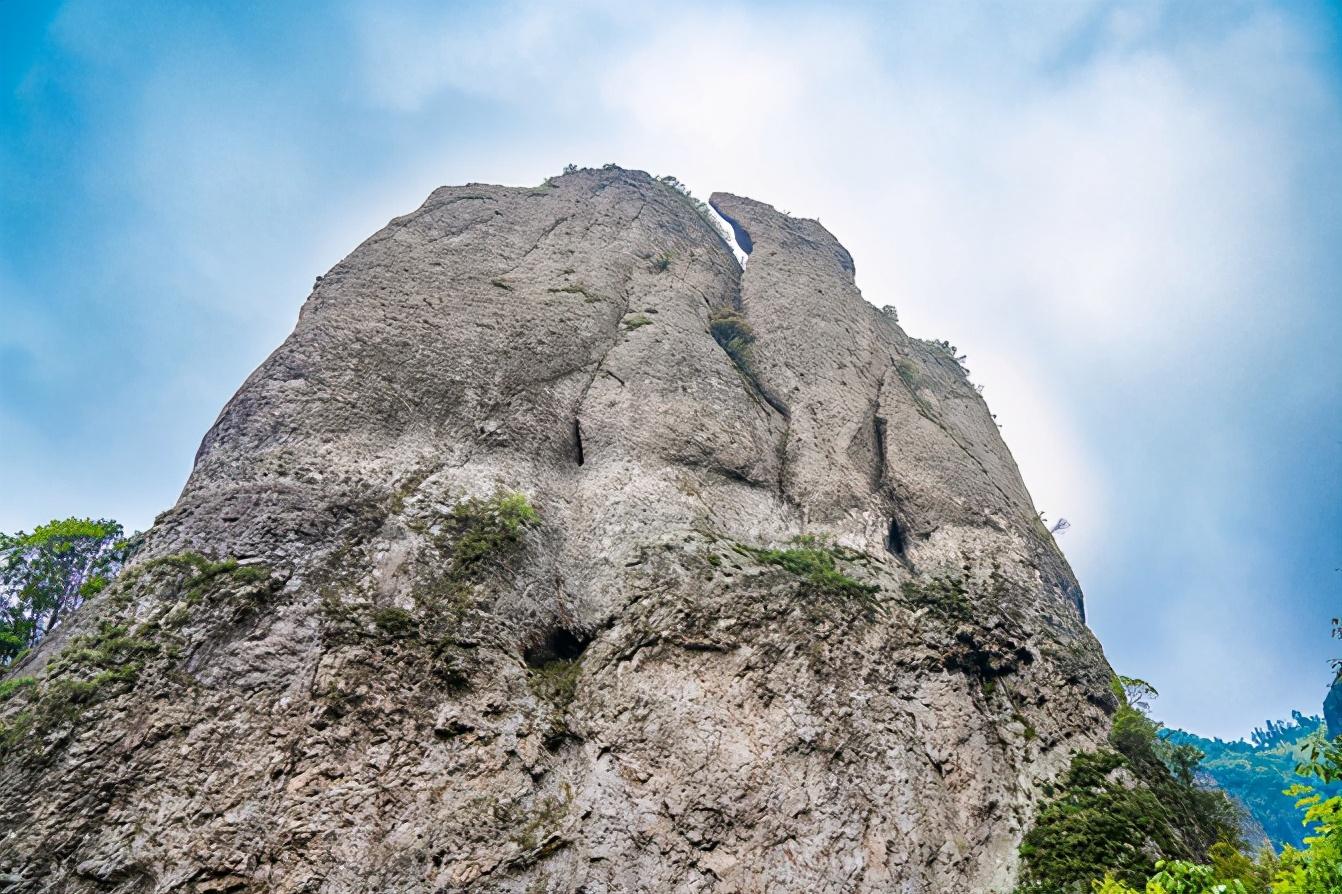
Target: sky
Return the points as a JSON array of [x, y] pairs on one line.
[[1128, 216]]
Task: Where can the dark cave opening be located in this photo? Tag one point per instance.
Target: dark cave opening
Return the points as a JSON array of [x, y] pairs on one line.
[[557, 645], [895, 540]]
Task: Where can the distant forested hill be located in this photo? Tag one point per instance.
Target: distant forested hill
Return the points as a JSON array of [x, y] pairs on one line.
[[1257, 771]]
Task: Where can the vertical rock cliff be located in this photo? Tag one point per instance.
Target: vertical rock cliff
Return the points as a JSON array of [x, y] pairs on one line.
[[555, 551]]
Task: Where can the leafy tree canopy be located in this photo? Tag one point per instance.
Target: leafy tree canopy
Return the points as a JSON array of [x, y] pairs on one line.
[[1315, 867], [47, 574]]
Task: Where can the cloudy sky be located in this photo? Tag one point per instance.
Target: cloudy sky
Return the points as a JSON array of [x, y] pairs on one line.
[[1129, 216]]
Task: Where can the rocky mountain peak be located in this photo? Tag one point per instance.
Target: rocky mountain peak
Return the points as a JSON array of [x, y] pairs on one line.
[[554, 550]]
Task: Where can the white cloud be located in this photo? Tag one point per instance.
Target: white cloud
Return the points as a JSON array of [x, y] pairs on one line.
[[519, 52], [731, 81]]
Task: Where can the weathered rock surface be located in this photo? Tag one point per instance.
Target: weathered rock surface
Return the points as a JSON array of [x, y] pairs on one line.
[[404, 687]]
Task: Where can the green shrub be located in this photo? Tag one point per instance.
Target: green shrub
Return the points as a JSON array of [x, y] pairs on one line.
[[908, 374], [92, 667], [478, 535], [635, 322], [206, 573], [112, 647], [108, 661], [395, 622], [732, 332], [1102, 826], [514, 512], [556, 681], [537, 834], [1095, 826], [488, 529], [10, 688], [15, 730], [251, 574]]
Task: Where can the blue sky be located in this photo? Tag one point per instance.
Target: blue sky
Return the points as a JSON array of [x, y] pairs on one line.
[[1128, 216]]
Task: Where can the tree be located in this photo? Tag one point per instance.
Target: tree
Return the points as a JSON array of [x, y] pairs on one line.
[[1183, 761], [47, 574], [1318, 866], [1315, 868], [1104, 829]]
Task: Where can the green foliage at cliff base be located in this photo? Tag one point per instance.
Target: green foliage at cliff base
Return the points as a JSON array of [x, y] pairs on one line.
[[1118, 810], [1153, 833]]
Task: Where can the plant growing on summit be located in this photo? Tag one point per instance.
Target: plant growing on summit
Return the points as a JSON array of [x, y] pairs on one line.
[[700, 207], [945, 347], [46, 575]]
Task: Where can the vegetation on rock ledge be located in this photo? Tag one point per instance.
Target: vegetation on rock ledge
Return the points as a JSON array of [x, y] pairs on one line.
[[106, 662], [733, 334], [477, 536], [815, 562], [485, 530]]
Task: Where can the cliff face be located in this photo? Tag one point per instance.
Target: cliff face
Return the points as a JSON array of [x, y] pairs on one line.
[[352, 658]]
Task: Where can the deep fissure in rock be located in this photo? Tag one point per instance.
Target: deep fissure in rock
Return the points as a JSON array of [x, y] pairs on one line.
[[878, 431], [577, 441], [738, 231], [559, 644], [895, 540]]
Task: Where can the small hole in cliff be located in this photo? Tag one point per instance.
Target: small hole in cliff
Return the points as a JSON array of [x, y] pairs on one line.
[[577, 441], [895, 541], [558, 645]]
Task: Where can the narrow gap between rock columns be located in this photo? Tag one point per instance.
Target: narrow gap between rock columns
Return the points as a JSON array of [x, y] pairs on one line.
[[739, 243]]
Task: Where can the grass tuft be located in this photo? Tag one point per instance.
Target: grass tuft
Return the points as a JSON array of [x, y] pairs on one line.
[[815, 562]]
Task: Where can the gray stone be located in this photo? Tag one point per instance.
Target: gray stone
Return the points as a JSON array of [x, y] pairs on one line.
[[631, 694]]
